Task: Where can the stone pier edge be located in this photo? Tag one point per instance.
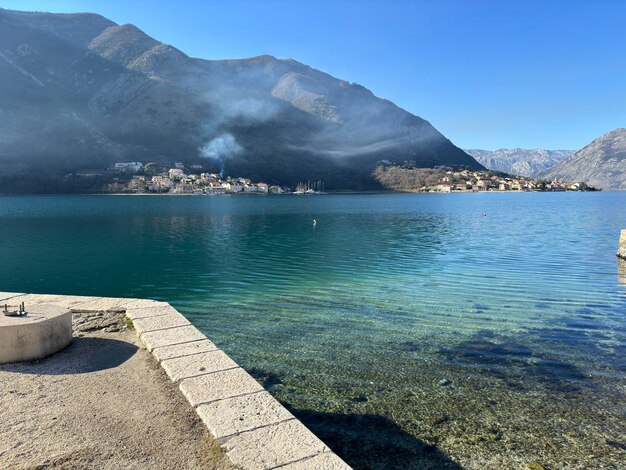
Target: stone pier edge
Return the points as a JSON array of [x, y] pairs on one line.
[[253, 428], [621, 249]]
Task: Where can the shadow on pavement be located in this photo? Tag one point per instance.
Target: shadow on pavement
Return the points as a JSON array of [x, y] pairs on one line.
[[84, 355]]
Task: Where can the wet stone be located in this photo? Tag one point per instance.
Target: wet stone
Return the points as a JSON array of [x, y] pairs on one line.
[[535, 466], [438, 420]]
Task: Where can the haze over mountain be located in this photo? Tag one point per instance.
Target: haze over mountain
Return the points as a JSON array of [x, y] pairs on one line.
[[602, 163], [80, 92], [517, 161]]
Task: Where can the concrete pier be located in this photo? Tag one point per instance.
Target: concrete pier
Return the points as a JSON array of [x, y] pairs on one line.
[[254, 429], [44, 330], [621, 250]]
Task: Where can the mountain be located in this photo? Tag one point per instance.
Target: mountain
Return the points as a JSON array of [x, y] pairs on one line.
[[602, 163], [521, 162], [79, 92]]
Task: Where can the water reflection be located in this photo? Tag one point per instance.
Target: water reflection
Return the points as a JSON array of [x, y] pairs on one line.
[[621, 270]]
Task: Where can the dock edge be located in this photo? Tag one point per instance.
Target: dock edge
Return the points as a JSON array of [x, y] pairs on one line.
[[252, 427]]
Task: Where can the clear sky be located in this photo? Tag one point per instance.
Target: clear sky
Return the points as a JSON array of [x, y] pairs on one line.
[[486, 73]]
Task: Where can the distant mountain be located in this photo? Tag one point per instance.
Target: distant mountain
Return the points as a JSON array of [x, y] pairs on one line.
[[79, 92], [521, 162], [602, 163]]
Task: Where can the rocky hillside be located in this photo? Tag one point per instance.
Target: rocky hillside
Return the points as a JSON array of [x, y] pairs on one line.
[[80, 92], [521, 162], [602, 163]]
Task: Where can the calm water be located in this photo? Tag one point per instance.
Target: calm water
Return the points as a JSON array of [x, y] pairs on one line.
[[408, 331]]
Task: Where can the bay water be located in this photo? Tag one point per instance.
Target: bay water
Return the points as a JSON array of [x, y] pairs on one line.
[[407, 331]]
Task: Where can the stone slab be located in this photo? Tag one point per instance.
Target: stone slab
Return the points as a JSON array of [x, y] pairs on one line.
[[100, 303], [272, 446], [323, 461], [185, 349], [133, 304], [154, 311], [198, 364], [65, 301], [218, 386], [159, 322], [9, 295], [238, 414], [177, 335]]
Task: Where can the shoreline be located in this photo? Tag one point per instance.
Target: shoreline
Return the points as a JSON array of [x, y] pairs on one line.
[[326, 193]]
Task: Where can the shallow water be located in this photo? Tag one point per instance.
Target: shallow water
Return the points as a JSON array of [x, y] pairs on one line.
[[408, 331]]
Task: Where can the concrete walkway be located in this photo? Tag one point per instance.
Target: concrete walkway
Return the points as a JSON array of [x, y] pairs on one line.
[[103, 402]]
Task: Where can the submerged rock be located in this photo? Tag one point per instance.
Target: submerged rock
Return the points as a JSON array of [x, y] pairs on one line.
[[438, 420], [359, 399]]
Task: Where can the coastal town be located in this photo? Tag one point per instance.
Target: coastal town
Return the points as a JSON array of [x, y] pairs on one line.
[[446, 179], [178, 178], [134, 177]]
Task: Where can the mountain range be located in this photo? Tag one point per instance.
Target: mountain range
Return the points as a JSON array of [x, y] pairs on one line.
[[79, 91], [602, 163], [518, 161]]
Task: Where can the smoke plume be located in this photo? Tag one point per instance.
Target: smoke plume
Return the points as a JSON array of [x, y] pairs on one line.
[[220, 149]]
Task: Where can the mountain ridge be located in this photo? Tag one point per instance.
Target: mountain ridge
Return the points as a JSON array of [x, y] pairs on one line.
[[519, 161], [110, 92], [601, 163]]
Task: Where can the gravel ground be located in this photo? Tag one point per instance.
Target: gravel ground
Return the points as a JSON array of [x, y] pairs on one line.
[[103, 402]]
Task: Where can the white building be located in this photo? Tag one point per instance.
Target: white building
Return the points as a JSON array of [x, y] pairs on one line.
[[176, 173], [232, 187]]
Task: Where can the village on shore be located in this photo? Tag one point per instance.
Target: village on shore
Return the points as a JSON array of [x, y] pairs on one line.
[[466, 180], [446, 179], [135, 178]]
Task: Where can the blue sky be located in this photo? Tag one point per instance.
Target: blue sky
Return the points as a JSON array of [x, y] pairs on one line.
[[488, 74]]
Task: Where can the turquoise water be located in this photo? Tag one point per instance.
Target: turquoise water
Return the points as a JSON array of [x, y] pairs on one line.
[[408, 331]]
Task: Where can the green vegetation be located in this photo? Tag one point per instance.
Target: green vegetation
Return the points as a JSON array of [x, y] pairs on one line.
[[129, 323], [153, 168], [406, 177]]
